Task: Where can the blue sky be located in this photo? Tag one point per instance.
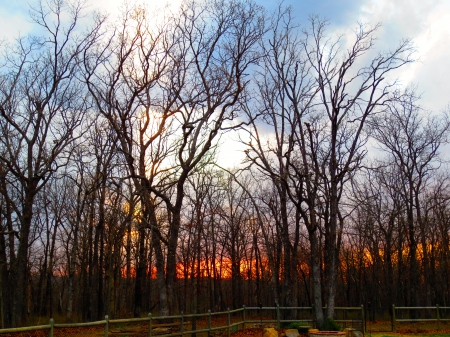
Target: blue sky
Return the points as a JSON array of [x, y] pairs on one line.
[[426, 22]]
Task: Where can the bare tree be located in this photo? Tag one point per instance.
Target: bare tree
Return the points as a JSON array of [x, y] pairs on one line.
[[168, 92], [50, 204], [349, 93], [377, 220], [411, 142], [41, 110], [276, 157], [317, 97]]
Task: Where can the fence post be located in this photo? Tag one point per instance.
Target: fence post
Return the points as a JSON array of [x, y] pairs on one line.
[[278, 317], [149, 324], [363, 320], [50, 333], [228, 322], [182, 324], [209, 323], [243, 316], [438, 316], [393, 318], [313, 316], [106, 325]]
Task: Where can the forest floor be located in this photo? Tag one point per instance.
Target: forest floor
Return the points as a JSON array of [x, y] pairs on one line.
[[373, 329]]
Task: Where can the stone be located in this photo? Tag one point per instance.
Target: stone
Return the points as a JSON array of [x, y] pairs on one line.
[[161, 331], [303, 329], [348, 332], [327, 334], [270, 332], [353, 333], [312, 331], [292, 333]]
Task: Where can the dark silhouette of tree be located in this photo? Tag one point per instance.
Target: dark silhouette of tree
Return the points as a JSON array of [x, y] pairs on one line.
[[411, 141], [42, 105], [317, 99], [168, 92]]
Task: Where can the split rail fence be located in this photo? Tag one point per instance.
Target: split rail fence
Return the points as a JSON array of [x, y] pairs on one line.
[[436, 315], [225, 323], [202, 324]]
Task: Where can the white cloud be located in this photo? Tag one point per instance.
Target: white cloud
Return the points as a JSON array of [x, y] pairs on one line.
[[13, 23], [426, 22], [14, 15]]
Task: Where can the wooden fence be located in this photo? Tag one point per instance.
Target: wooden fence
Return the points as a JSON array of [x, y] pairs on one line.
[[418, 315], [235, 319]]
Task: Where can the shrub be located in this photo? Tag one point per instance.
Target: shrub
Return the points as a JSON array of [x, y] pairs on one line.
[[297, 325], [331, 325]]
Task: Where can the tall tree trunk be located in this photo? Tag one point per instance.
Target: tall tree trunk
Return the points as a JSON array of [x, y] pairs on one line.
[[413, 264], [160, 278], [5, 276], [70, 291], [4, 285], [140, 272], [19, 269], [90, 272], [316, 276], [49, 275], [171, 254]]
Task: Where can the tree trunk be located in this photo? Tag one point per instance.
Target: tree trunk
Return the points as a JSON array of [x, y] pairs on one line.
[[49, 274], [140, 272], [5, 318], [19, 269], [316, 276], [70, 291]]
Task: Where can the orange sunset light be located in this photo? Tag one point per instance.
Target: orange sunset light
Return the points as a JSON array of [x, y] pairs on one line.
[[221, 269]]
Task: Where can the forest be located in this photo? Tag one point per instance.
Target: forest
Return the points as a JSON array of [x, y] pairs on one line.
[[113, 201]]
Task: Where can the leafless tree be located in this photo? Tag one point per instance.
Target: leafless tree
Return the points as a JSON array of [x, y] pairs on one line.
[[168, 92], [349, 93], [317, 97], [41, 110], [377, 220], [411, 141], [275, 157]]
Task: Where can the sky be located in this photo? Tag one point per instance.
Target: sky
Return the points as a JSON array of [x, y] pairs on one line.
[[426, 22]]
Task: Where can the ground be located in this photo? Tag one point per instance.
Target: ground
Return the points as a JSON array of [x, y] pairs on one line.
[[373, 330]]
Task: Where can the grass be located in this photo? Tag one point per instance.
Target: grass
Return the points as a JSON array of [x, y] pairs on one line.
[[391, 334], [428, 329], [380, 328]]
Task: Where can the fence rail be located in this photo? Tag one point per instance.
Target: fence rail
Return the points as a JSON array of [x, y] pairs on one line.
[[241, 317], [411, 315]]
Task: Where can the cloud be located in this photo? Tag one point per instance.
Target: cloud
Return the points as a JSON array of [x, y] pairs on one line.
[[426, 22], [13, 21]]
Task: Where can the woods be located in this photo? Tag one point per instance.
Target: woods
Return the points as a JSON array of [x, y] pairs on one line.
[[112, 202]]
